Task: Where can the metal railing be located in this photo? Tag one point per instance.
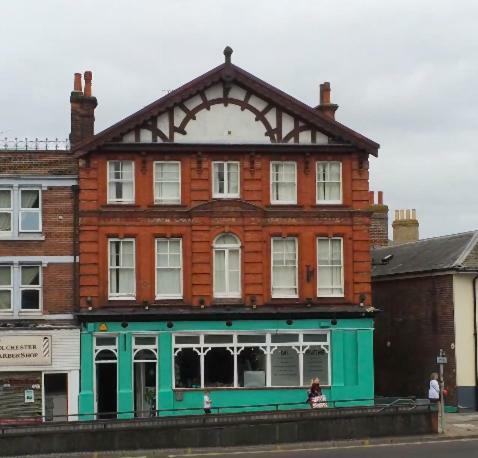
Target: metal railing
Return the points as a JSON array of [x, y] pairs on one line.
[[365, 405], [25, 144]]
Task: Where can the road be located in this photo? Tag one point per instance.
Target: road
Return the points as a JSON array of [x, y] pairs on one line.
[[457, 448]]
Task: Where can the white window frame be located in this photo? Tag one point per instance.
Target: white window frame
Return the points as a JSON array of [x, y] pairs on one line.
[[119, 296], [9, 288], [38, 288], [328, 202], [158, 200], [181, 273], [279, 296], [22, 210], [112, 200], [226, 249], [267, 347], [225, 194], [282, 202], [10, 211], [319, 294]]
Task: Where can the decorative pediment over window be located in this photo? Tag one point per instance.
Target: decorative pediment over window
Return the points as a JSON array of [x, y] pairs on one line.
[[228, 105], [218, 116]]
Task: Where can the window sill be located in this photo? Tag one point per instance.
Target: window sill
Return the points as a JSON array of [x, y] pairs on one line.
[[118, 205], [284, 205], [226, 197], [168, 301], [168, 206], [22, 237], [122, 298]]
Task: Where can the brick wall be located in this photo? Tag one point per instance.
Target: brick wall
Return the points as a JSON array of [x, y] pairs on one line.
[[417, 320], [198, 220], [37, 163], [58, 288]]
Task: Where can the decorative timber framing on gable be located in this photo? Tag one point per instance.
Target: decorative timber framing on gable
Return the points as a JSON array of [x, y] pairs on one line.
[[227, 106]]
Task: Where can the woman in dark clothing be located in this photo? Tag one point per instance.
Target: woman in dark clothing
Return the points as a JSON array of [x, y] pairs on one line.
[[315, 397]]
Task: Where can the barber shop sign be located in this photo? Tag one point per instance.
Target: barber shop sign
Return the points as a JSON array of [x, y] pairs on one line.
[[25, 350]]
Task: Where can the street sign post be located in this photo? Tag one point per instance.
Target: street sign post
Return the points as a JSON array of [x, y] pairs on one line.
[[441, 361]]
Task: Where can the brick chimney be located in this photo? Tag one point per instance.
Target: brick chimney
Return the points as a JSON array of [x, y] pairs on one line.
[[405, 226], [379, 220], [327, 108], [83, 106]]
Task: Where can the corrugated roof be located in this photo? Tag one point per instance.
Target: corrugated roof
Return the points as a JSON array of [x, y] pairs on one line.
[[456, 251]]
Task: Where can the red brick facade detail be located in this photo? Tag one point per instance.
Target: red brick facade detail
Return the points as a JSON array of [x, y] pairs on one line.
[[199, 219], [57, 215], [416, 321]]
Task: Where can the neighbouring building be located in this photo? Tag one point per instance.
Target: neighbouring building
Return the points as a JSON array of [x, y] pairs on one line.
[[39, 341], [427, 292], [224, 244]]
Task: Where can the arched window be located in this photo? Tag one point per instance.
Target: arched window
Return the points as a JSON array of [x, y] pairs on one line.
[[227, 266]]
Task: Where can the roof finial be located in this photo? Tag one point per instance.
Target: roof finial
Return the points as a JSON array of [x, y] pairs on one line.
[[227, 54]]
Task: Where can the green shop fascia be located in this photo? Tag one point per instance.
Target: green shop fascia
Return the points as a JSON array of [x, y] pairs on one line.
[[142, 365]]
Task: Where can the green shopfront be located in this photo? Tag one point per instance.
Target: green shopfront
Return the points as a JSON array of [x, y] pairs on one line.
[[145, 368]]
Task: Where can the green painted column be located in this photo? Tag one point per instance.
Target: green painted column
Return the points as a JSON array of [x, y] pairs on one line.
[[125, 376], [365, 364], [165, 388], [86, 399]]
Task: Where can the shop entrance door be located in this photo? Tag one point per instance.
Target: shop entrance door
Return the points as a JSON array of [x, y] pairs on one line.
[[56, 397], [106, 390], [145, 382]]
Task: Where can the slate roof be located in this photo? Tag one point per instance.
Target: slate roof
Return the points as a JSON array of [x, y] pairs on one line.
[[448, 252]]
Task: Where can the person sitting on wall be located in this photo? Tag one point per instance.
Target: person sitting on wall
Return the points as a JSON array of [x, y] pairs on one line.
[[434, 389], [316, 398]]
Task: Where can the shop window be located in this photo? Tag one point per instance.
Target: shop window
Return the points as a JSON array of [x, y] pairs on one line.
[[167, 182], [329, 182], [121, 269], [251, 367], [218, 368], [121, 182], [285, 367], [168, 269], [225, 180], [259, 359], [330, 281], [187, 368], [283, 183]]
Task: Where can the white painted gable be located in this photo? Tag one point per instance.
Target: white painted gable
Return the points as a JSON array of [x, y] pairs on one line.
[[241, 117]]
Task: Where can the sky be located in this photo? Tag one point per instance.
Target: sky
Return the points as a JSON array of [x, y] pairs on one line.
[[403, 72]]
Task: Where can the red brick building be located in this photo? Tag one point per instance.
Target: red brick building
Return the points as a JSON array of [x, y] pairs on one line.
[[39, 341], [225, 207]]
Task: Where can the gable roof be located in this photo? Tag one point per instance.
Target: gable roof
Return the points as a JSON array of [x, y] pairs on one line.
[[229, 73], [448, 252]]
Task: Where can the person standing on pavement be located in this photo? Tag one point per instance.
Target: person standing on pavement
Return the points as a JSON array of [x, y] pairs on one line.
[[434, 389], [207, 403]]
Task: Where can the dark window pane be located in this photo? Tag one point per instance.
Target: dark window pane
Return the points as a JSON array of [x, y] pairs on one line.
[[30, 299], [218, 368], [187, 369]]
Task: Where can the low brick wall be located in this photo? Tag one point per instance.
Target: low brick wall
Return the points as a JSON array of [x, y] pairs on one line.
[[218, 430]]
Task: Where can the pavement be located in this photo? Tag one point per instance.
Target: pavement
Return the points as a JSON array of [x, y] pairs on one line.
[[459, 440]]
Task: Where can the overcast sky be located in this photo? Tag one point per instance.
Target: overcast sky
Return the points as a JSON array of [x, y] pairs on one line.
[[405, 74]]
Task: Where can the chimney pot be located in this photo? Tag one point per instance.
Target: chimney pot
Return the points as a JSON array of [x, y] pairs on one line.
[[397, 214], [325, 93], [380, 197], [88, 78], [371, 197], [77, 83]]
